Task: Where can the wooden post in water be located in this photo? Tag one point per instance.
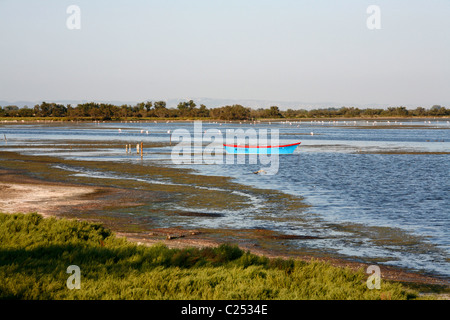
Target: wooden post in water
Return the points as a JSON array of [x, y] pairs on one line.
[[126, 149], [142, 149], [137, 148]]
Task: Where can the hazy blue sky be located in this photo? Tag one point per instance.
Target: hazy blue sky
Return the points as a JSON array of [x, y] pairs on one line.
[[289, 50]]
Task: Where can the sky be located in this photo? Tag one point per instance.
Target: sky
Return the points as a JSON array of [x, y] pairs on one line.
[[287, 50]]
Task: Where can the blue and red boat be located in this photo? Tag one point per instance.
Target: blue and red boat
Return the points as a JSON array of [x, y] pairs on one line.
[[283, 149]]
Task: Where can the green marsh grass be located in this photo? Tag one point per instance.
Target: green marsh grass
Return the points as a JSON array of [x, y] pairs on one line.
[[35, 253]]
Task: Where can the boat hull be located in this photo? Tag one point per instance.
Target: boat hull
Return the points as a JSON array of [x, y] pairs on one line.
[[284, 149]]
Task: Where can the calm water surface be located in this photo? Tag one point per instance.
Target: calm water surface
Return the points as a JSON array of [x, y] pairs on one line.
[[379, 194]]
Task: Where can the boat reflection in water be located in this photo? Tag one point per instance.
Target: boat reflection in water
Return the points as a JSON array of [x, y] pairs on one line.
[[282, 149]]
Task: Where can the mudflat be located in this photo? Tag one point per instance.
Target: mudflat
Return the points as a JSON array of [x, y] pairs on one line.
[[22, 193]]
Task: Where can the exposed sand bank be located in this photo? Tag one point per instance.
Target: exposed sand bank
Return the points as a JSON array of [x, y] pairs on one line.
[[23, 194], [20, 193], [45, 200]]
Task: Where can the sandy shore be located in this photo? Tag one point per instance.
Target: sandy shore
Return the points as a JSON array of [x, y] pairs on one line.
[[44, 199], [22, 194]]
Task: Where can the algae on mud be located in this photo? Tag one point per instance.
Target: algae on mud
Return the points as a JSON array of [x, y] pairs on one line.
[[131, 205]]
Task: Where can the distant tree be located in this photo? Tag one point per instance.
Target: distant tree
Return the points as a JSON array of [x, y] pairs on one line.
[[401, 112], [315, 113], [183, 109], [139, 110], [257, 113], [11, 111], [371, 112], [290, 113], [123, 112], [273, 112], [160, 109], [203, 112], [419, 111], [160, 104], [191, 105], [50, 110], [351, 112], [438, 110], [234, 112], [58, 110], [25, 112], [148, 106], [109, 111], [187, 109], [389, 112], [302, 113], [42, 110]]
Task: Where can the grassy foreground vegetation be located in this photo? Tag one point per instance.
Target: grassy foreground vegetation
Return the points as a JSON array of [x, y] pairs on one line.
[[35, 253]]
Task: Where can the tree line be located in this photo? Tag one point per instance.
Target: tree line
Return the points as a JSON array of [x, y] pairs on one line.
[[189, 110]]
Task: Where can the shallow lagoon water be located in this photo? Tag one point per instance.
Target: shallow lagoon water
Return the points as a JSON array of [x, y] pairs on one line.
[[369, 189]]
